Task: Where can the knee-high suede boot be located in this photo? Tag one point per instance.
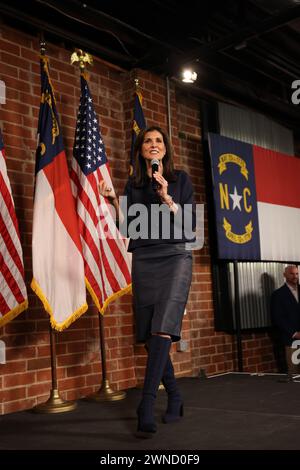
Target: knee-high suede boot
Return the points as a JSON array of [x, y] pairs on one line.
[[158, 353], [175, 402]]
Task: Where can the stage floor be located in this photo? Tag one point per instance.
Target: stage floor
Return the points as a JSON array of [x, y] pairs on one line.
[[227, 412]]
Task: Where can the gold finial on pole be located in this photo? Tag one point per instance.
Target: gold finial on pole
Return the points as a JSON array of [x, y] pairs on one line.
[[42, 44], [136, 81], [43, 47], [82, 57]]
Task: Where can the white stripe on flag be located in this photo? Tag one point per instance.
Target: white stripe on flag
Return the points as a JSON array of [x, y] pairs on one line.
[[10, 227], [10, 262], [4, 171], [107, 219], [275, 238], [13, 289], [57, 263], [7, 293]]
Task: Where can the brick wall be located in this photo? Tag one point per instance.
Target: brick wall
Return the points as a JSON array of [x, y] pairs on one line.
[[25, 379]]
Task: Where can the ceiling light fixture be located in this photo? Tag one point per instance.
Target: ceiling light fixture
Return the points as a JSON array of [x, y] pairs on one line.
[[188, 76]]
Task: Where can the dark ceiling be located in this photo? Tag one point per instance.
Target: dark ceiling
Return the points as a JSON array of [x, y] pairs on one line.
[[244, 51]]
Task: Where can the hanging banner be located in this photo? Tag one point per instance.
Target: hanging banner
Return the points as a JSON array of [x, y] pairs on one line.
[[257, 201]]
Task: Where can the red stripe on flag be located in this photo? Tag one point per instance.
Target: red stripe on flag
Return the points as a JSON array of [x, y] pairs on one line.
[[277, 177], [11, 248], [12, 300], [109, 238], [58, 176], [10, 280], [8, 202], [85, 233], [4, 308], [88, 206], [86, 201], [116, 252], [93, 282]]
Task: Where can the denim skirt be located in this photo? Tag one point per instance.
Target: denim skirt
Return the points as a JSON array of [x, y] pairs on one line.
[[161, 279]]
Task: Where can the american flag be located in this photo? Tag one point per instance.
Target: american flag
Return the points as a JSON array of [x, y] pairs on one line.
[[13, 294], [58, 269], [107, 263]]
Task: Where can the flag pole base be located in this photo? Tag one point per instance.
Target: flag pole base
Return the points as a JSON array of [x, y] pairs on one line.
[[105, 393], [55, 404]]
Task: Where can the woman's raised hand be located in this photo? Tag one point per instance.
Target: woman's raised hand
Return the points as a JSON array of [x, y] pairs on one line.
[[106, 190], [162, 190]]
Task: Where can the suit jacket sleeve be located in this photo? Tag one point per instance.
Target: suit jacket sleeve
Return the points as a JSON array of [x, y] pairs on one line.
[[281, 315]]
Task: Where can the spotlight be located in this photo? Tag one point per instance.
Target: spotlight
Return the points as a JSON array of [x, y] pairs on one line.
[[188, 76]]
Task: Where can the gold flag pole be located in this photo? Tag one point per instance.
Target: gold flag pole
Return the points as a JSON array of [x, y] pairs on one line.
[[54, 404], [105, 393]]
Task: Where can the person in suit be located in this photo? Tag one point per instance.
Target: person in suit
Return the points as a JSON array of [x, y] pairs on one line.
[[285, 313]]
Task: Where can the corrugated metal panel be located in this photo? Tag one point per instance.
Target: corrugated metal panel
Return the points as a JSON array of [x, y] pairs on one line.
[[254, 128], [256, 280]]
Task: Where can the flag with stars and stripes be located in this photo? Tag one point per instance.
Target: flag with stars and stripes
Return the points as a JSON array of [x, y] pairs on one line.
[[58, 268], [13, 294], [107, 263], [139, 123]]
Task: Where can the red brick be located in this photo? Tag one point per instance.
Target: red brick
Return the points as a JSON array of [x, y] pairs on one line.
[[79, 370], [15, 380], [9, 47], [19, 85], [31, 56], [20, 353], [93, 379], [13, 394], [13, 406], [44, 376], [13, 367], [36, 364], [38, 390], [69, 359], [71, 383]]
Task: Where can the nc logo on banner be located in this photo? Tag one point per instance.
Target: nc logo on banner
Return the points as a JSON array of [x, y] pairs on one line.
[[235, 198]]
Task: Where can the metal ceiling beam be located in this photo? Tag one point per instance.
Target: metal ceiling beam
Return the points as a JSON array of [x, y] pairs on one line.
[[119, 26], [275, 61], [286, 114], [63, 34], [276, 21]]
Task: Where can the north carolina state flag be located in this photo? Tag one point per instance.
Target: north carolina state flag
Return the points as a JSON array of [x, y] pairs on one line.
[[257, 201], [58, 269]]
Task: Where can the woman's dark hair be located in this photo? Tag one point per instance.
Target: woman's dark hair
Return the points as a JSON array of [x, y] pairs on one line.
[[140, 176]]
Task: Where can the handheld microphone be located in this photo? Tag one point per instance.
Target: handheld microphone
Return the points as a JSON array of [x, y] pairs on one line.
[[154, 165]]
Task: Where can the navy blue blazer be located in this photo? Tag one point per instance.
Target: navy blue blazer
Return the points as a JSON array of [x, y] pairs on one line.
[[285, 313], [182, 193]]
